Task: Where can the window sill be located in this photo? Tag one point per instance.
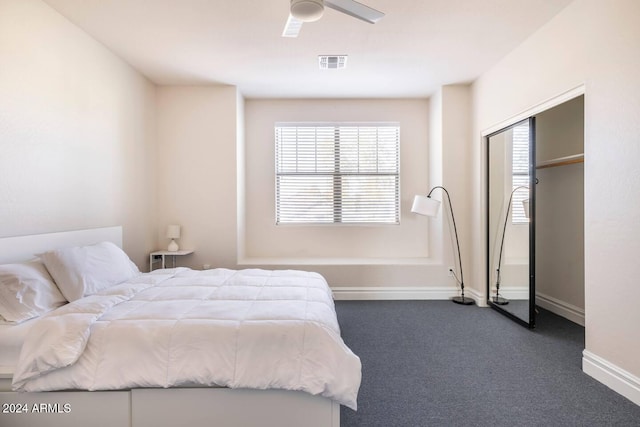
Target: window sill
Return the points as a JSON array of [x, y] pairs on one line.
[[336, 261]]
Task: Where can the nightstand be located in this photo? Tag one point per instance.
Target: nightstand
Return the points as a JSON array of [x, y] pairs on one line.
[[161, 257]]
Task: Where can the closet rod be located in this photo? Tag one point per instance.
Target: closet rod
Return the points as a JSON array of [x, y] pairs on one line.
[[561, 161]]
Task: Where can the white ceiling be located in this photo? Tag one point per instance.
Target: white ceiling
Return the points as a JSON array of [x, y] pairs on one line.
[[418, 46]]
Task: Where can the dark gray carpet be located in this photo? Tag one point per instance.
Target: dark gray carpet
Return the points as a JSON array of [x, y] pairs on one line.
[[435, 363]]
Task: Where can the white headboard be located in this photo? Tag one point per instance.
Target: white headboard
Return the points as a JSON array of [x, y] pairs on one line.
[[23, 248]]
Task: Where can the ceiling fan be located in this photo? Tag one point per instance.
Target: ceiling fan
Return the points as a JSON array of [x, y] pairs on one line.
[[311, 10]]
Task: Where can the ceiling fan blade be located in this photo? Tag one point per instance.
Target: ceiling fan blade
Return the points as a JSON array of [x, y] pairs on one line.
[[292, 27], [355, 9]]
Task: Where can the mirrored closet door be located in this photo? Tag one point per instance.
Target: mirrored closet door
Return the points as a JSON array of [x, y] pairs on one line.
[[510, 221]]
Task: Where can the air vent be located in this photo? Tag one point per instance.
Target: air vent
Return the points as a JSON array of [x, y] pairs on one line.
[[332, 62]]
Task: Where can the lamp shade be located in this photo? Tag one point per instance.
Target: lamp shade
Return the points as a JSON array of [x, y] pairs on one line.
[[307, 10], [173, 232], [525, 206], [424, 205]]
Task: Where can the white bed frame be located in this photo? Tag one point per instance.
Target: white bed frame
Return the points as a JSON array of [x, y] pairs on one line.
[[194, 407]]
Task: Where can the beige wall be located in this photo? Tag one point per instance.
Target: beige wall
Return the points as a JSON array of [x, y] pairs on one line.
[[77, 132], [266, 242], [197, 168], [455, 166], [593, 43]]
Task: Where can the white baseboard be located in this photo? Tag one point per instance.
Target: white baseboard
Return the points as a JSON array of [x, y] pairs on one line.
[[392, 293], [399, 293], [617, 379], [561, 308], [513, 292]]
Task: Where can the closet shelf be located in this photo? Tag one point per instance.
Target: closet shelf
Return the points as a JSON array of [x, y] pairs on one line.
[[561, 161]]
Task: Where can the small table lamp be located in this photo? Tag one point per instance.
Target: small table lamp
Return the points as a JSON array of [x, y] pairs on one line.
[[173, 232]]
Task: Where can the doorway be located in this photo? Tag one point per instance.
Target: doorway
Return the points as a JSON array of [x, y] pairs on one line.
[[554, 264], [560, 210]]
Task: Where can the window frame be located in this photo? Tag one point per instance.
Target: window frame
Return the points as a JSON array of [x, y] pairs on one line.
[[340, 174]]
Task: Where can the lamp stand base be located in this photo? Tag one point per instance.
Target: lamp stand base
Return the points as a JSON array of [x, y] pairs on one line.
[[463, 300], [499, 300]]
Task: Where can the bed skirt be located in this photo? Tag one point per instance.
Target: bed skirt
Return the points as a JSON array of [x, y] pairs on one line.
[[195, 407]]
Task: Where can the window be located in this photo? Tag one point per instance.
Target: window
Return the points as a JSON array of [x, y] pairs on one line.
[[337, 173], [520, 169]]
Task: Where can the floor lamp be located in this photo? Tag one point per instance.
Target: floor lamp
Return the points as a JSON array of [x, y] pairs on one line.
[[429, 207], [497, 299]]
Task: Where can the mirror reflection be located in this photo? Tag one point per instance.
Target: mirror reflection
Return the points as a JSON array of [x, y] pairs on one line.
[[509, 242]]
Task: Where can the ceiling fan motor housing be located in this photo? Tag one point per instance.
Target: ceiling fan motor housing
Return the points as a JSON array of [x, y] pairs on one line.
[[307, 10]]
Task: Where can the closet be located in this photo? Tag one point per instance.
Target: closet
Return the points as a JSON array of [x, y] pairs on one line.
[[559, 232]]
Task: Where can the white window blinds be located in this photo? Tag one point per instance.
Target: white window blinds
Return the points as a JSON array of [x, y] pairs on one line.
[[520, 171], [337, 173]]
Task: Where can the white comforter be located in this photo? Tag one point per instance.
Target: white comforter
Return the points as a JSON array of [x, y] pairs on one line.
[[179, 327]]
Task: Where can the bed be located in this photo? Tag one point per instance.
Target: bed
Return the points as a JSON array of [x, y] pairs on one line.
[[172, 347]]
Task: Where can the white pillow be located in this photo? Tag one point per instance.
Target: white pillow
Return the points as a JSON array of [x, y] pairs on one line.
[[26, 291], [85, 270]]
